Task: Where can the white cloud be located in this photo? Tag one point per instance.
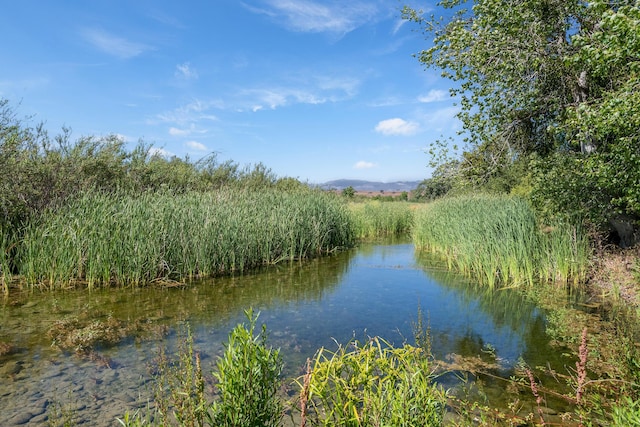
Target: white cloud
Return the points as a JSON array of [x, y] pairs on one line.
[[188, 114], [112, 44], [177, 132], [185, 71], [364, 165], [338, 17], [396, 27], [434, 95], [195, 145], [318, 89], [397, 127]]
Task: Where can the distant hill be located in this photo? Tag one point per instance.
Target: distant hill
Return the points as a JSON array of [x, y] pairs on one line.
[[366, 186]]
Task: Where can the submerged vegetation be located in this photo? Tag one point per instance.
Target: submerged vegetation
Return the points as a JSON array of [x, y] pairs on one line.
[[361, 384]]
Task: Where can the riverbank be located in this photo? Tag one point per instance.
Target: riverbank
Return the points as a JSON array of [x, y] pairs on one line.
[[614, 276]]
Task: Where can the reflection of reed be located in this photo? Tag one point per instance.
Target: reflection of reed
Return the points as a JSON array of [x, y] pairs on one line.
[[510, 308], [208, 302], [507, 307]]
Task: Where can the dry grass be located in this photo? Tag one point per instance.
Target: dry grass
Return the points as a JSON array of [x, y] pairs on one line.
[[615, 274]]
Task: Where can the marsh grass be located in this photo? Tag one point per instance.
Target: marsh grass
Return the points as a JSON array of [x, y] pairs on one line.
[[6, 245], [374, 218], [101, 239], [498, 241]]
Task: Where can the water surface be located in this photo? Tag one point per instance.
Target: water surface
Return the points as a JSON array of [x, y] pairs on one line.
[[374, 290]]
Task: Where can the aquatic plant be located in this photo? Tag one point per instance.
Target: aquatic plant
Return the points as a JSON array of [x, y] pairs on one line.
[[127, 239], [374, 218], [497, 240], [5, 253], [372, 384], [248, 380]]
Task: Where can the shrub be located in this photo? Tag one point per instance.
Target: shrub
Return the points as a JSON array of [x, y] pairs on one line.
[[372, 384], [248, 380]]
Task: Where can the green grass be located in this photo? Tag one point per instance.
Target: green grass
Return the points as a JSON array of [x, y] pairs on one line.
[[372, 383], [5, 270], [121, 239], [498, 241], [375, 218]]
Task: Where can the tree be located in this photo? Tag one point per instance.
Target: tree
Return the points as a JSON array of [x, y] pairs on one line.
[[538, 79], [349, 192]]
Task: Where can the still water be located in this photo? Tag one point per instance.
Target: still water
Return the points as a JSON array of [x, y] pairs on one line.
[[374, 290]]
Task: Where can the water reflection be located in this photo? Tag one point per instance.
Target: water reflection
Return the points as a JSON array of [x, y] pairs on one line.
[[373, 290]]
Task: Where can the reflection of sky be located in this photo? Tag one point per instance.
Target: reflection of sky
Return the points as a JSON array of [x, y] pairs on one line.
[[373, 290], [380, 294]]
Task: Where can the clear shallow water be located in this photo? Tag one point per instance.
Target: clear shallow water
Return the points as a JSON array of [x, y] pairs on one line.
[[373, 290]]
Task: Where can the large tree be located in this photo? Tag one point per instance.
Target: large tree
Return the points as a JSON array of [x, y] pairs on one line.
[[543, 79]]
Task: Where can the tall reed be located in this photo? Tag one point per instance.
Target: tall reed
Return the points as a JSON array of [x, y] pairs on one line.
[[132, 240], [375, 218], [5, 253], [497, 240]]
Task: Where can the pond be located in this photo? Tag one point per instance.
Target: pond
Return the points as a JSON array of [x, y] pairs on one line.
[[376, 289]]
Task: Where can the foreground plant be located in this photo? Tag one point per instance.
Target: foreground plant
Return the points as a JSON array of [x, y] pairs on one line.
[[248, 380], [372, 384]]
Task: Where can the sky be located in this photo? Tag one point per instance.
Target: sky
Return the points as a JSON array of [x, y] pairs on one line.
[[316, 90]]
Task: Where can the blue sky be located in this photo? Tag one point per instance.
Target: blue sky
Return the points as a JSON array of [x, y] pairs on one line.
[[314, 89]]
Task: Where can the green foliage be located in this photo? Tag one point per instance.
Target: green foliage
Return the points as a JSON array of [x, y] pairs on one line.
[[41, 172], [627, 413], [179, 389], [374, 218], [374, 384], [248, 380], [441, 182], [349, 192], [554, 81], [129, 239], [497, 240]]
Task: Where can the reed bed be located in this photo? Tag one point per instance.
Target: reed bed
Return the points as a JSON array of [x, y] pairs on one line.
[[498, 241], [375, 218], [122, 239], [5, 253]]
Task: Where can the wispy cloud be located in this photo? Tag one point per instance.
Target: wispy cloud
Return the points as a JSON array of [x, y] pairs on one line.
[[337, 16], [112, 44], [188, 114], [397, 126], [185, 71], [316, 91], [434, 95], [364, 165], [195, 145]]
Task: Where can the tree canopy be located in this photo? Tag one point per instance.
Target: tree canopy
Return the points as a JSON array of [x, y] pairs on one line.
[[552, 84]]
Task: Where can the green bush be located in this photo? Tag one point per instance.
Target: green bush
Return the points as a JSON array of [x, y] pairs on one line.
[[248, 380], [372, 384]]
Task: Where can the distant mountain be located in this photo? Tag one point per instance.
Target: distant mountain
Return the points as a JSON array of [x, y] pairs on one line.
[[359, 185]]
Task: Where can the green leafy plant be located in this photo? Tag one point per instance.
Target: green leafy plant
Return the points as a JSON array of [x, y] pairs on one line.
[[372, 384], [248, 380]]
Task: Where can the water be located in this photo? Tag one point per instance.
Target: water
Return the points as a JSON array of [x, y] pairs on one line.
[[375, 290]]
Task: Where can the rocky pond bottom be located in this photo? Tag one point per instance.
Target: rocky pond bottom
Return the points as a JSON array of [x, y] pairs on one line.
[[374, 290]]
